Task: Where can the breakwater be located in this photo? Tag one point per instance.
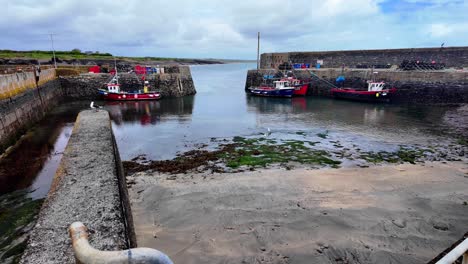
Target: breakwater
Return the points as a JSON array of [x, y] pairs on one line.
[[175, 83], [412, 86], [20, 112], [449, 56], [89, 186]]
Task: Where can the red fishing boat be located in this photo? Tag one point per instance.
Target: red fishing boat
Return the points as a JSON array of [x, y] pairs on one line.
[[375, 93], [301, 89], [114, 93]]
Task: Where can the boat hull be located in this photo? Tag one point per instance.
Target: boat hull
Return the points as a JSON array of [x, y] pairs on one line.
[[267, 92], [130, 96], [364, 96], [302, 90]]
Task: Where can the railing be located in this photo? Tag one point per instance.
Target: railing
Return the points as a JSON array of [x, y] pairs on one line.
[[86, 254], [457, 252]]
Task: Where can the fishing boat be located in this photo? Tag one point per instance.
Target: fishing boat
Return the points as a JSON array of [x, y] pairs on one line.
[[300, 88], [285, 87], [281, 88], [114, 93], [375, 93]]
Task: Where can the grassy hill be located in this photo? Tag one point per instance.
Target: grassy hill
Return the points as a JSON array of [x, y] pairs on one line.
[[77, 54]]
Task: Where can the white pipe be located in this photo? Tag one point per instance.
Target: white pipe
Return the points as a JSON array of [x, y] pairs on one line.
[[86, 254], [455, 253]]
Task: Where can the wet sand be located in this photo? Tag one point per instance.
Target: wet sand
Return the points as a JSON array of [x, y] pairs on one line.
[[383, 214]]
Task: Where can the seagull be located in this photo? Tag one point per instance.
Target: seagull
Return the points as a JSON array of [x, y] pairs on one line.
[[94, 107], [268, 132]]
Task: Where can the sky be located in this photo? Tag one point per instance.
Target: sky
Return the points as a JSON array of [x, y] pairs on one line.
[[228, 29]]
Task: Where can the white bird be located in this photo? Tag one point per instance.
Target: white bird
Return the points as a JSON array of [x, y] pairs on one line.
[[268, 132], [93, 106]]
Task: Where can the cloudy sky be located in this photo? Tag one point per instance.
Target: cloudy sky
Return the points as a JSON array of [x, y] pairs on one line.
[[228, 29]]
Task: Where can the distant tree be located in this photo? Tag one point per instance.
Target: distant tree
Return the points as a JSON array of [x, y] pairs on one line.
[[96, 52], [76, 51]]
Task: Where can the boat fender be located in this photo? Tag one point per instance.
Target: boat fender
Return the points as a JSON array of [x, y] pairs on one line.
[[377, 94]]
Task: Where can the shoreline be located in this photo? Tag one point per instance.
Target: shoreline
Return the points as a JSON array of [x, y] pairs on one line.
[[402, 213]]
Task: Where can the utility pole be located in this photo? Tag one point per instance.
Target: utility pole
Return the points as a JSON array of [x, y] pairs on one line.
[[258, 52], [53, 50]]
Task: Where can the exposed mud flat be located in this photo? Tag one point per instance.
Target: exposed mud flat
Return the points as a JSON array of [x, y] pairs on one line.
[[241, 153], [457, 119], [383, 214]]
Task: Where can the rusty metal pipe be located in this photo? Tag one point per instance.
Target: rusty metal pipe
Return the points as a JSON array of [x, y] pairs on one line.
[[86, 254]]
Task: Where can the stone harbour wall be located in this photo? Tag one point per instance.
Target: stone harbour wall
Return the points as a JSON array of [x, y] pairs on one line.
[[450, 56], [443, 87], [175, 83], [436, 87], [17, 83], [86, 188], [84, 86], [20, 112]]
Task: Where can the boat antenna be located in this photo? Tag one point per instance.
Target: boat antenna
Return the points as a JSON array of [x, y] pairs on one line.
[[258, 51]]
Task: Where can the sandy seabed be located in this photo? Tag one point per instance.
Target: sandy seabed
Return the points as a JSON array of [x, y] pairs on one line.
[[382, 214]]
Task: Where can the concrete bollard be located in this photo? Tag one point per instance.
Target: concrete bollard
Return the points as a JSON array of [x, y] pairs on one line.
[[86, 254]]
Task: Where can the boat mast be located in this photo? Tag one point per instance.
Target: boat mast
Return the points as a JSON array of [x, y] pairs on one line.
[[258, 51], [115, 66]]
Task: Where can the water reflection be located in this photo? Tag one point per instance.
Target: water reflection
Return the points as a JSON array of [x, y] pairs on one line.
[[34, 159], [150, 112], [155, 128], [26, 173], [374, 120]]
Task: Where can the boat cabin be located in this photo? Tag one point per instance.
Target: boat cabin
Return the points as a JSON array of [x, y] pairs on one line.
[[281, 84], [113, 86], [375, 86]]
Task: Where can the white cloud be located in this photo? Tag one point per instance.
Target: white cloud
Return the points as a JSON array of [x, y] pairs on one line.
[[227, 29]]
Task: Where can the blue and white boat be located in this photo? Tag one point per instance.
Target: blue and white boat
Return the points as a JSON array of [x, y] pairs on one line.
[[282, 88]]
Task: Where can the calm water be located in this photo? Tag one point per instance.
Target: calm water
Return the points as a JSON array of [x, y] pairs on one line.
[[221, 109], [26, 174]]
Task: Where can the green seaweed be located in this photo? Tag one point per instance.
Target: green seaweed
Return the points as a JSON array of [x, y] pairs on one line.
[[401, 155], [261, 152], [462, 141], [17, 212], [323, 135]]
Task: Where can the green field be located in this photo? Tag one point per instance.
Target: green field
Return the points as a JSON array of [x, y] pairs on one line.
[[77, 54]]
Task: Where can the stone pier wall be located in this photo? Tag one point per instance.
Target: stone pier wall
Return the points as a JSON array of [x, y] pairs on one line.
[[176, 83], [86, 188], [413, 87], [17, 83], [20, 112], [450, 56], [84, 86]]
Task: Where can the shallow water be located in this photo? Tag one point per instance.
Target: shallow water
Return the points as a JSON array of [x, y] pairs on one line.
[[221, 109], [26, 174]]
